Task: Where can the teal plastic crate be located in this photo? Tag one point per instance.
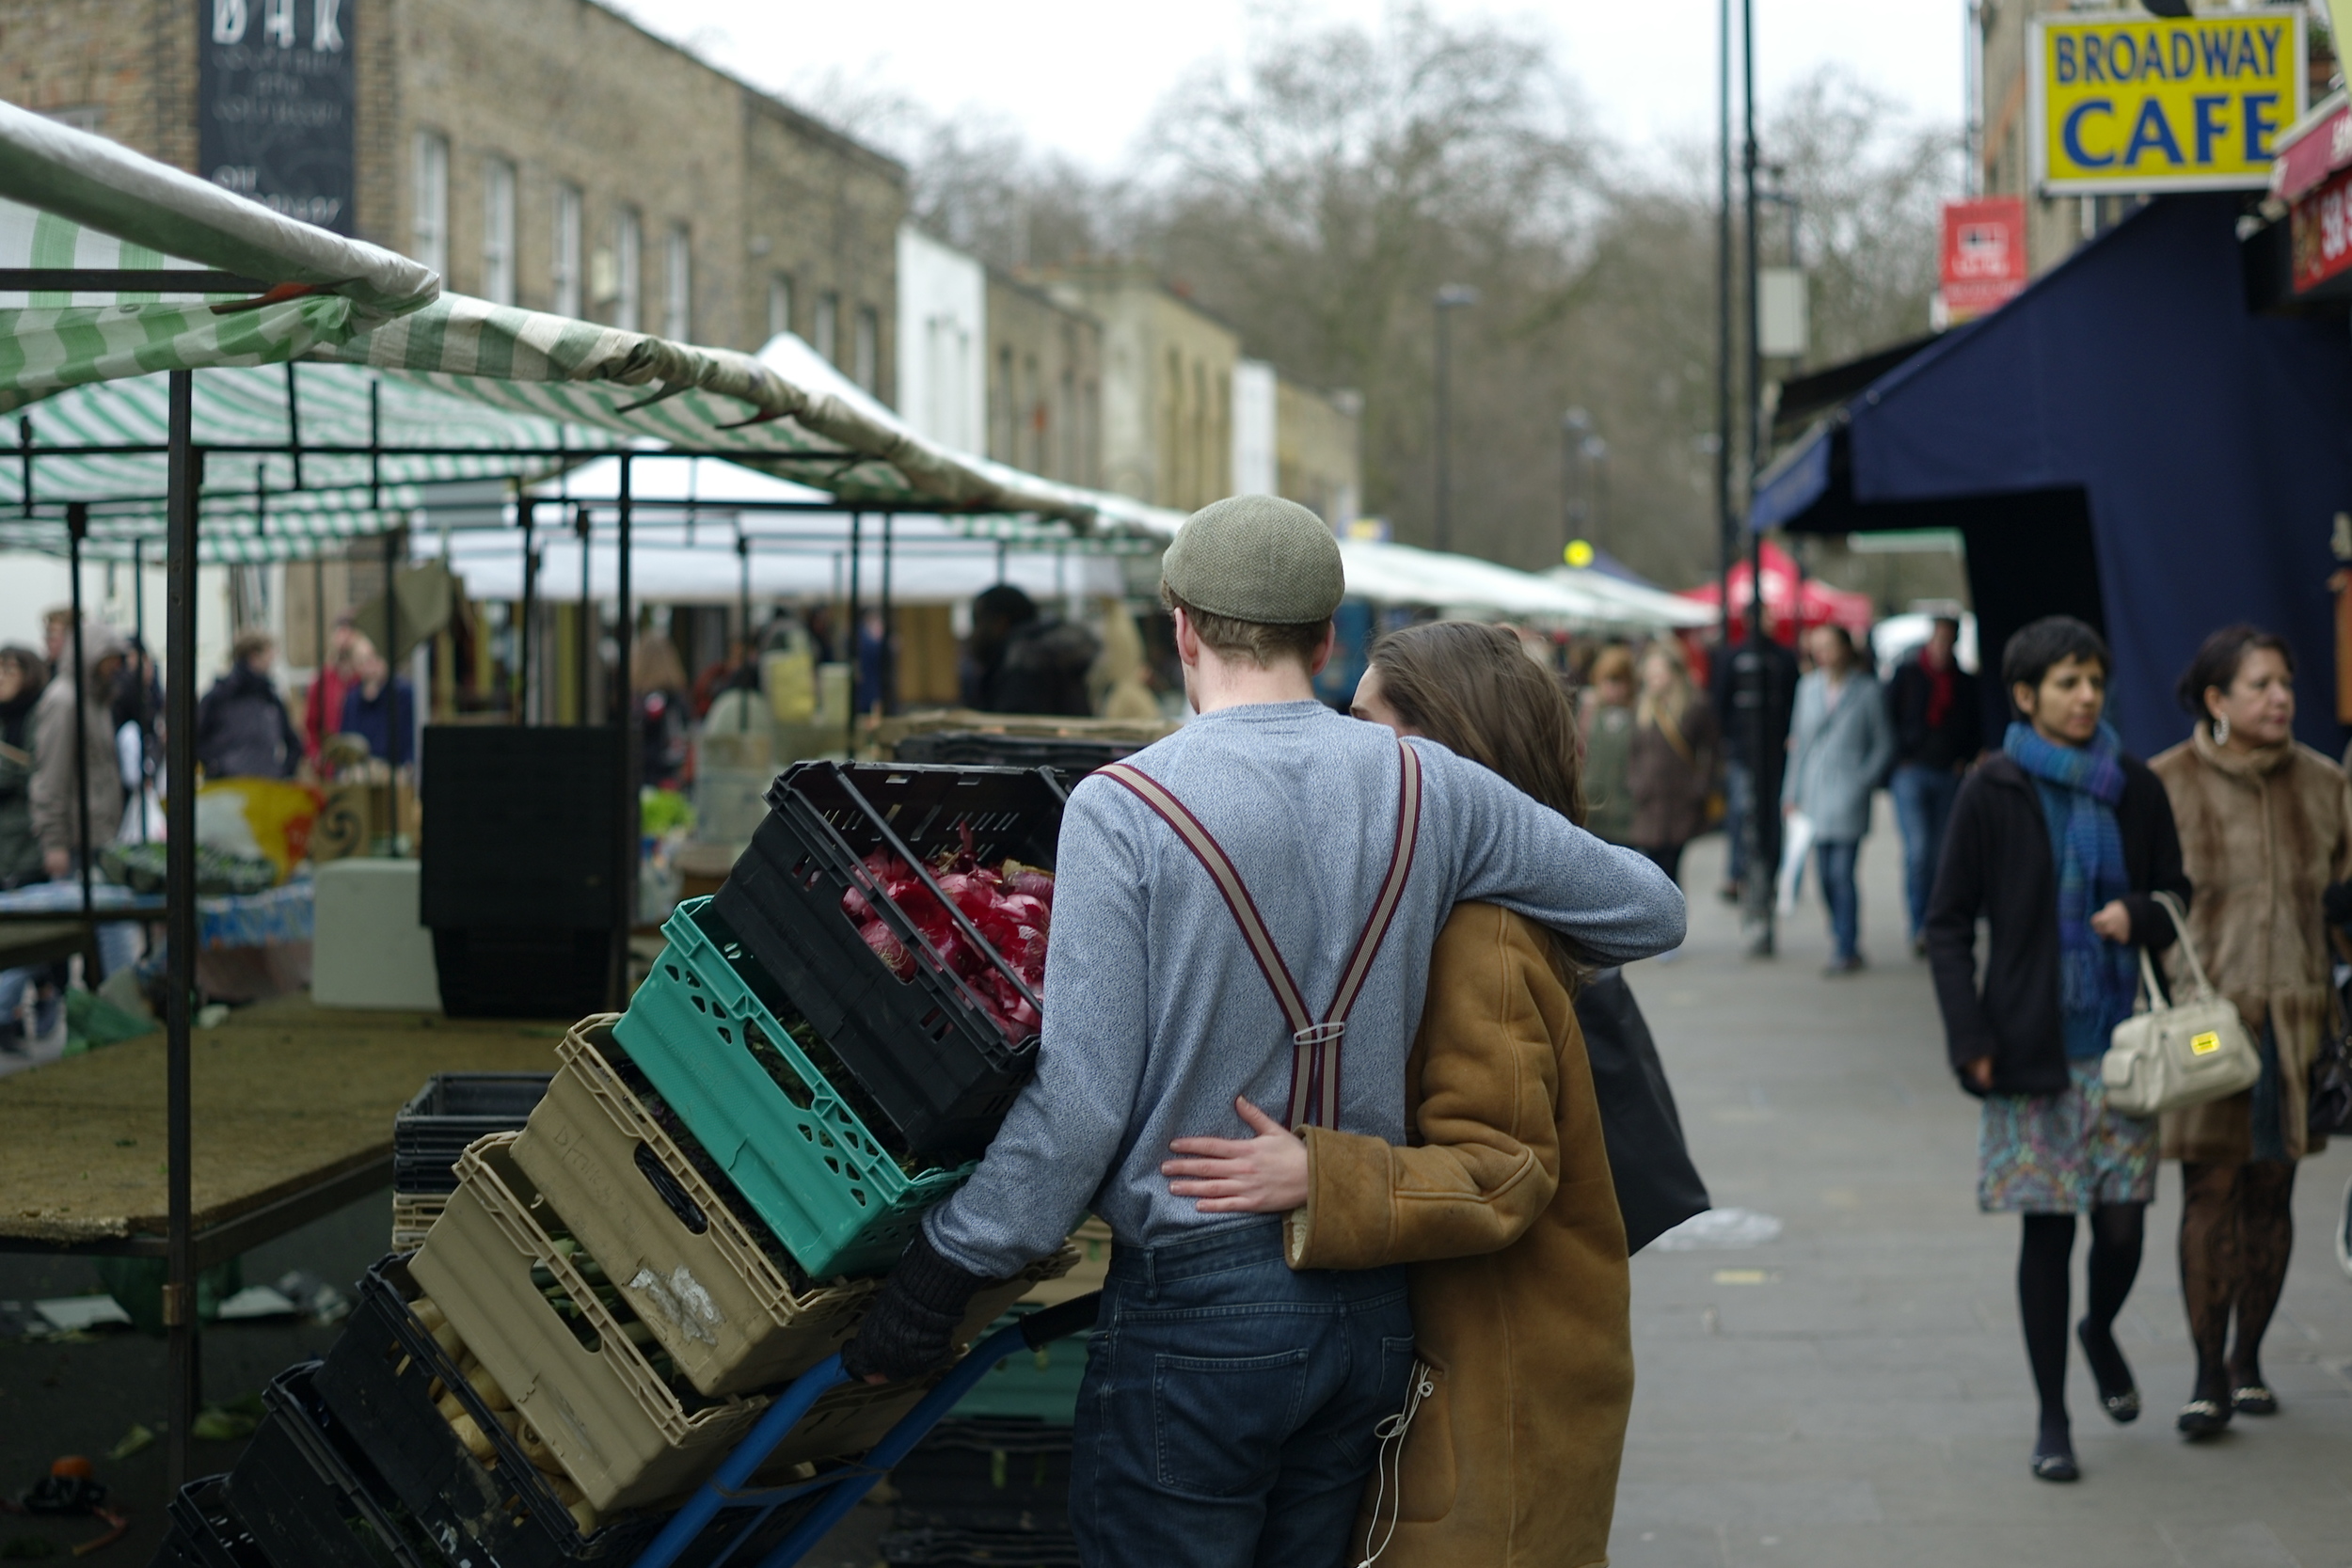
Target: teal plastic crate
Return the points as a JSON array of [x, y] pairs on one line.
[[1041, 1384], [833, 1195]]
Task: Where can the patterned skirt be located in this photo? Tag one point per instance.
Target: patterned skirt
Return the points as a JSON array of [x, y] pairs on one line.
[[2064, 1154]]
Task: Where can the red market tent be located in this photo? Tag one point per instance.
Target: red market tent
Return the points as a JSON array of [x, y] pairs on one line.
[[1817, 603]]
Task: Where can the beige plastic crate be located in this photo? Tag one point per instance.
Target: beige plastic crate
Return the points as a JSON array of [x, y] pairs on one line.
[[413, 1214], [620, 1431], [719, 1305]]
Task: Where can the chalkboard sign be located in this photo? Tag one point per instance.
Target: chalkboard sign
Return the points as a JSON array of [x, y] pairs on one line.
[[275, 94]]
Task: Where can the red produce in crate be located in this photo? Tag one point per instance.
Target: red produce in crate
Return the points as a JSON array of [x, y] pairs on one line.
[[1010, 904]]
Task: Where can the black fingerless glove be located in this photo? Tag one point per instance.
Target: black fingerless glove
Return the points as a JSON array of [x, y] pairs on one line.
[[911, 1328], [2335, 900]]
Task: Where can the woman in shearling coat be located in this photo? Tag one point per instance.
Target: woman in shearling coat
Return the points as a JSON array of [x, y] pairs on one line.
[[2266, 837]]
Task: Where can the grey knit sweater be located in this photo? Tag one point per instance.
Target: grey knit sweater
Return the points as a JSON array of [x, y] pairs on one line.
[[1155, 1014]]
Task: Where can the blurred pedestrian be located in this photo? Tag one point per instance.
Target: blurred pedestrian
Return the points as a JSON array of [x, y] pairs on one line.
[[1939, 729], [1020, 660], [380, 708], [1755, 689], [1839, 747], [24, 674], [55, 819], [338, 673], [657, 676], [243, 730], [1608, 723], [1671, 767], [2056, 842], [2266, 830]]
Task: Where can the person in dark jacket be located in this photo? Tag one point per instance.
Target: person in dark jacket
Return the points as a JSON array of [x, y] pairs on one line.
[[1939, 729], [2057, 841], [382, 710], [1754, 694], [1019, 661], [243, 730]]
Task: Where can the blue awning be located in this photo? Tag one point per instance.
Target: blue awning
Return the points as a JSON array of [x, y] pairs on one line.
[[2131, 409]]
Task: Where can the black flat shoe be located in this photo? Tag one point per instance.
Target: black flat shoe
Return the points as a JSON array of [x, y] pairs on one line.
[[2121, 1404], [2056, 1467], [2203, 1417], [2253, 1399]]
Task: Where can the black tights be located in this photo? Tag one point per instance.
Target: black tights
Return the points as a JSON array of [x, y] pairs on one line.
[[2043, 1269]]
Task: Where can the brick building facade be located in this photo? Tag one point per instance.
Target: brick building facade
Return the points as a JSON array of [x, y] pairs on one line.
[[547, 152]]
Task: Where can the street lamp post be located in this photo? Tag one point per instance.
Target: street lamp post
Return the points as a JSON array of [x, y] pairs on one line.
[[1576, 429], [1453, 296], [1757, 890]]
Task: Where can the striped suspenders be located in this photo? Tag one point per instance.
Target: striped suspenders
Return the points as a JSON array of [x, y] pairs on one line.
[[1316, 1046]]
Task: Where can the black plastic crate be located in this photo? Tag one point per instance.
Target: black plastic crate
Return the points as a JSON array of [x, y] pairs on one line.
[[451, 1111], [306, 1493], [993, 1473], [502, 1515], [925, 1049], [524, 827], [205, 1533], [1071, 759], [555, 972]]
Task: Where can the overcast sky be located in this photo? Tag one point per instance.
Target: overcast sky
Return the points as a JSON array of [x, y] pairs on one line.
[[1083, 75]]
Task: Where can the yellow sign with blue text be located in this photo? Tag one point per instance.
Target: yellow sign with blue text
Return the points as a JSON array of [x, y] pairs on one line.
[[2123, 102]]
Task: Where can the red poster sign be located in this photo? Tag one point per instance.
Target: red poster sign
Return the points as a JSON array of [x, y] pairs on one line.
[[1984, 254], [2322, 232]]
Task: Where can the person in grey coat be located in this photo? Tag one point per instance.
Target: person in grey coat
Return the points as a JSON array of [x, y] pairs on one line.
[[1839, 746]]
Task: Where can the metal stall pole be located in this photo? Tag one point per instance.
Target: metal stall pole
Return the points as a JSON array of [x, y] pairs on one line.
[[743, 616], [631, 819], [147, 670], [889, 672], [523, 627], [391, 665], [857, 523], [77, 526], [179, 1302], [581, 624]]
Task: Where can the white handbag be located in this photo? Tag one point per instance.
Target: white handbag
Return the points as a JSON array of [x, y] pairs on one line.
[[2181, 1053]]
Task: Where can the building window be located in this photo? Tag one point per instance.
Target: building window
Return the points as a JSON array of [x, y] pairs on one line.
[[827, 327], [1004, 418], [566, 274], [498, 231], [1033, 414], [866, 349], [677, 285], [1066, 424], [428, 196], [628, 272], [779, 304]]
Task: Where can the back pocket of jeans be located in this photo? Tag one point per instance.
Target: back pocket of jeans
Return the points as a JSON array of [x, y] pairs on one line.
[[1219, 1423]]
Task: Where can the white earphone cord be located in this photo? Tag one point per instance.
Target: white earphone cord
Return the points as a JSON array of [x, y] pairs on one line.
[[1391, 1432]]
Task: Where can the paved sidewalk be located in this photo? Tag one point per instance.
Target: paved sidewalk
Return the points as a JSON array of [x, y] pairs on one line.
[[1855, 1392]]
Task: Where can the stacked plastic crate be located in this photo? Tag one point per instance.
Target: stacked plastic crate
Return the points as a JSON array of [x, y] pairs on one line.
[[696, 1210], [431, 1130]]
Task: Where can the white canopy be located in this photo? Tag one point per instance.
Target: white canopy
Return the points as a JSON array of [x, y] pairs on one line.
[[1401, 574], [1644, 604]]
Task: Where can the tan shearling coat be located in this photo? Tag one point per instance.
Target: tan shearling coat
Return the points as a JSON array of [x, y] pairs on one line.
[[1520, 1292], [2262, 834]]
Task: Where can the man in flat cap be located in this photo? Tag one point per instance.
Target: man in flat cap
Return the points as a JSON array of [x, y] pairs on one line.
[[1221, 900]]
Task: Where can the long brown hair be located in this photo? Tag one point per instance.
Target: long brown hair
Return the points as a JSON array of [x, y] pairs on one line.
[[1472, 690]]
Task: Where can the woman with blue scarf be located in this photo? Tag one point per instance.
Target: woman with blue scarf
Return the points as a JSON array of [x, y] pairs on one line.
[[2058, 842]]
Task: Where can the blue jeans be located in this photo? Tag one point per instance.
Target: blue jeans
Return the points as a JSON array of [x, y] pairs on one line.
[[1923, 806], [1836, 862], [1225, 1418]]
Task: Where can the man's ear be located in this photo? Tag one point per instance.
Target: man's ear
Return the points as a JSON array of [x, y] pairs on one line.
[[1324, 650], [1187, 639]]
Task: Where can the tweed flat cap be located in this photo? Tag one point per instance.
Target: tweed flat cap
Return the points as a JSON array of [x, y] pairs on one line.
[[1256, 557]]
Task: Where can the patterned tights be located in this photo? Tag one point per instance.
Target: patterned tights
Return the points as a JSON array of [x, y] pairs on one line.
[[2238, 1228]]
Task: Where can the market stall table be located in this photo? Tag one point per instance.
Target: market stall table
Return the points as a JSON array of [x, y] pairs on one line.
[[293, 1119]]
